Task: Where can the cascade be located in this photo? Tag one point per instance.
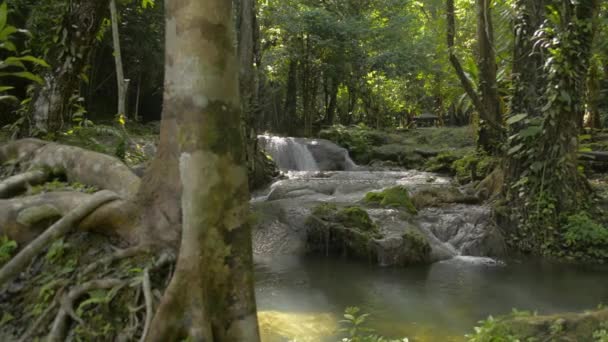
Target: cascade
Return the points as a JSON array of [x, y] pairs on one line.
[[289, 153]]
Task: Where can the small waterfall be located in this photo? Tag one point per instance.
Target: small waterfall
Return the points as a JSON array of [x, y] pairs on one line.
[[289, 153]]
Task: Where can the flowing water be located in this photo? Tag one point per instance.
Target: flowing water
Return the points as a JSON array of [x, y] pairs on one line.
[[302, 298]]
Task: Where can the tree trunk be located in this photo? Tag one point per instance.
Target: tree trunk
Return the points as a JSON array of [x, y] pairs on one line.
[[50, 103], [291, 98], [490, 127], [247, 84], [214, 265], [121, 83], [487, 102]]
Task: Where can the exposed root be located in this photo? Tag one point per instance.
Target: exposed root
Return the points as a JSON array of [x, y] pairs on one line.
[[43, 319], [118, 255], [77, 164], [15, 184], [66, 310], [57, 230], [149, 305]]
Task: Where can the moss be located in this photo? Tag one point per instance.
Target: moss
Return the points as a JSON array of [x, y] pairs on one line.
[[417, 248], [325, 210], [474, 167], [439, 196], [355, 217], [395, 197], [346, 231]]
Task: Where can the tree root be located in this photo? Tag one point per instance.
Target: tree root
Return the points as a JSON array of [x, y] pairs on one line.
[[149, 305], [44, 317], [57, 230], [17, 183], [66, 310], [118, 255], [77, 164]]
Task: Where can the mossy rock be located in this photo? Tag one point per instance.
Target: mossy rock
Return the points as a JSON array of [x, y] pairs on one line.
[[416, 248], [395, 197], [474, 167], [345, 231], [440, 196], [355, 217]]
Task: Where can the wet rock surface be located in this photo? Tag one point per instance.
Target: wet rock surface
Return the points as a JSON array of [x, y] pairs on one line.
[[447, 228]]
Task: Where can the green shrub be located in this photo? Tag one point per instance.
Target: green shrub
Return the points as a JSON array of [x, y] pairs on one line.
[[584, 238], [7, 247], [357, 140], [397, 197]]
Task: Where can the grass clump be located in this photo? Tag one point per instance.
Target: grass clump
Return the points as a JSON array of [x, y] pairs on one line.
[[7, 248]]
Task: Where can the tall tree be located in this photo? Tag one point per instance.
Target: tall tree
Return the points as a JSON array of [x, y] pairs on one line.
[[491, 127], [68, 57], [543, 176], [215, 261], [486, 100], [121, 83]]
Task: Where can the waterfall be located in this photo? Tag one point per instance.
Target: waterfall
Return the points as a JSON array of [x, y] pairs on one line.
[[289, 153]]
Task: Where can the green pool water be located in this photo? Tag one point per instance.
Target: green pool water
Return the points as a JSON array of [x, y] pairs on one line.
[[302, 299]]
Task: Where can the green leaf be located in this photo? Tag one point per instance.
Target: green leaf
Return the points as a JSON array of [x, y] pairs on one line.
[[5, 88], [35, 60], [8, 45], [516, 118], [24, 74], [3, 15], [8, 98], [515, 149], [530, 131], [6, 32]]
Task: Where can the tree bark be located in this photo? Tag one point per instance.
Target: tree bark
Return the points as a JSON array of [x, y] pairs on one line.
[[121, 83], [215, 261], [50, 103], [486, 102], [490, 127], [291, 98]]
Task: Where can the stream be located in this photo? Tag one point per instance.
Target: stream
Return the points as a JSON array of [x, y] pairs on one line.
[[302, 297]]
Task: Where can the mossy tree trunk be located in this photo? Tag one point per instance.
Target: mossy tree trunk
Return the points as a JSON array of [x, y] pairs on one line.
[[214, 266], [543, 175], [68, 57]]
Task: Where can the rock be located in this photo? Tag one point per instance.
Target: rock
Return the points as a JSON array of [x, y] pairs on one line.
[[441, 196], [469, 229], [329, 156], [409, 249]]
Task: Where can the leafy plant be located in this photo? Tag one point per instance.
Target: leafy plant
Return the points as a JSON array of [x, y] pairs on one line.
[[354, 323], [7, 247]]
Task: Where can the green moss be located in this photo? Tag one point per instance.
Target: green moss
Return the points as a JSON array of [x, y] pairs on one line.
[[395, 197], [325, 210], [473, 167], [355, 217], [417, 247]]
